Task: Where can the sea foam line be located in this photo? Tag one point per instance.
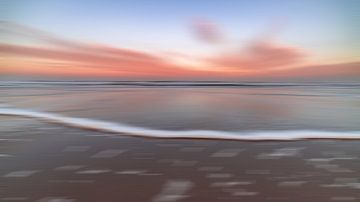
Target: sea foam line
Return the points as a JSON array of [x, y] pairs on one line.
[[123, 129]]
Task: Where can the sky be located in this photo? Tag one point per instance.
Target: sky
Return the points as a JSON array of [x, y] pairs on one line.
[[180, 40]]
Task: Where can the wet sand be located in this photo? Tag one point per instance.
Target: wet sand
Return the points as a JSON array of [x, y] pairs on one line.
[[47, 162]]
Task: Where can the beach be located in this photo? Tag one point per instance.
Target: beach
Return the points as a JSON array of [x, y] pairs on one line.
[[46, 159], [179, 101], [48, 162]]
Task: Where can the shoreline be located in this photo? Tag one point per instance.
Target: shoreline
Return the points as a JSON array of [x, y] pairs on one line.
[[69, 163], [118, 128]]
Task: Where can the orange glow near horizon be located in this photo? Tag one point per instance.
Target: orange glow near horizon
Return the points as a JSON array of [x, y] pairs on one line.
[[263, 57]]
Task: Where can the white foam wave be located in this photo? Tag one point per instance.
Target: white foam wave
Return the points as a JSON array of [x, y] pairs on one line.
[[123, 129]]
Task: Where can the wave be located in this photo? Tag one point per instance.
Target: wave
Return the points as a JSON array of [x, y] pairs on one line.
[[128, 130]]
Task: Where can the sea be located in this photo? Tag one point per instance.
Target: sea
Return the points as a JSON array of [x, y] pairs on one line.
[[192, 109], [172, 141]]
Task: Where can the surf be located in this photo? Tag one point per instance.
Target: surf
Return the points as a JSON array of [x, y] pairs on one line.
[[129, 130]]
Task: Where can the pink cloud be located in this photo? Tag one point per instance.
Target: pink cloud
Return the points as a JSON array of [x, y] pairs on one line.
[[207, 31], [259, 54], [263, 57], [262, 53], [131, 61]]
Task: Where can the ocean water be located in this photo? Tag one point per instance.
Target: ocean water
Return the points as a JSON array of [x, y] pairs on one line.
[[221, 110]]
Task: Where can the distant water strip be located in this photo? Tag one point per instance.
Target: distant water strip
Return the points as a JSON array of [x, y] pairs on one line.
[[123, 129], [173, 84]]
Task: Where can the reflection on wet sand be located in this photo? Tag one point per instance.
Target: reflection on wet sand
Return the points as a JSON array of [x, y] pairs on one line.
[[63, 164]]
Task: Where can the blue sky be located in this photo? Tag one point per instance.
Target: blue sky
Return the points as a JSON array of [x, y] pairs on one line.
[[317, 25]]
